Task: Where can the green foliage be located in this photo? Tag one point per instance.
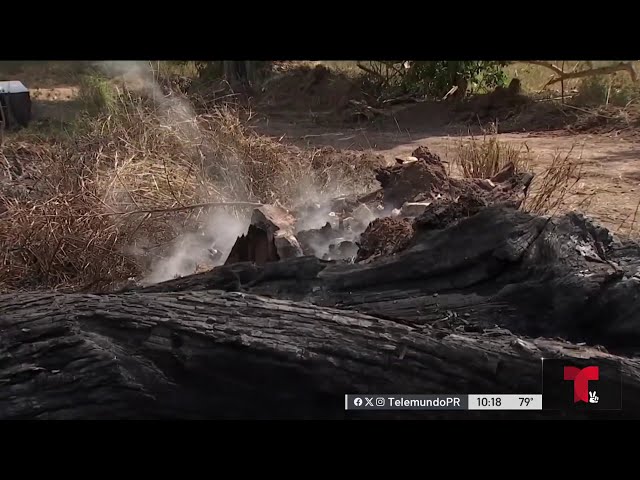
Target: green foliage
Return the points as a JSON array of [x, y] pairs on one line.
[[435, 78], [97, 94]]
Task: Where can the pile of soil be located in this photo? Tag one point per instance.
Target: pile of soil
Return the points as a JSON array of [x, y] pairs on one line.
[[606, 120], [383, 237], [307, 89], [473, 112], [347, 164], [424, 178], [514, 113], [413, 180]]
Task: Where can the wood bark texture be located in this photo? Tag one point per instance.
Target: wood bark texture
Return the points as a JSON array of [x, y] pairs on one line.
[[471, 306]]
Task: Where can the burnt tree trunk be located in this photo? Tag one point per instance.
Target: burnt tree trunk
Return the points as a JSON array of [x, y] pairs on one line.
[[212, 354], [536, 276], [244, 73], [451, 314]]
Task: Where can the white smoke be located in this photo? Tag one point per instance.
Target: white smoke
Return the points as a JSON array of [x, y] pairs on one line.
[[174, 110], [192, 251], [199, 251]]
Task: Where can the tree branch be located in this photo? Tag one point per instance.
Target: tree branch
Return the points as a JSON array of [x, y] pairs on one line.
[[561, 75], [549, 65], [623, 66]]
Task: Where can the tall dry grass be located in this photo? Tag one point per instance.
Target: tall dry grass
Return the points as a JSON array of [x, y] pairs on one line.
[[550, 189], [93, 207], [486, 156], [483, 157]]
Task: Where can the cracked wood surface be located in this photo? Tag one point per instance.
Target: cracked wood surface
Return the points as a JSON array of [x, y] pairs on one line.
[[213, 354], [536, 276], [275, 345]]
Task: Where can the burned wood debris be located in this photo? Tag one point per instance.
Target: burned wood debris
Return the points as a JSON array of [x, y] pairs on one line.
[[449, 288], [415, 193], [269, 238]]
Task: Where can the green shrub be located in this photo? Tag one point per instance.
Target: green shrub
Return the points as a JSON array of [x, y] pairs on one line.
[[434, 78], [97, 94]]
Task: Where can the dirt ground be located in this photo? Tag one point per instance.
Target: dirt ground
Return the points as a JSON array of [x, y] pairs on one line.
[[609, 185], [608, 190]]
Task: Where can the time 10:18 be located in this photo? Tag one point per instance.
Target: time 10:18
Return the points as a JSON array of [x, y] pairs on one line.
[[489, 401]]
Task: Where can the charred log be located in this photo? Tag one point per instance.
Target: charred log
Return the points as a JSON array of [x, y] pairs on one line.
[[270, 238], [536, 276], [466, 300], [210, 354]]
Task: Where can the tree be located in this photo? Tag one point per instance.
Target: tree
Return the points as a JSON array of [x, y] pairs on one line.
[[239, 74], [436, 78]]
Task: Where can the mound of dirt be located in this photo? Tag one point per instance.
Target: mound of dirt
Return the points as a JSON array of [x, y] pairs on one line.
[[536, 116], [383, 237], [512, 112], [423, 178], [520, 113], [348, 164], [413, 181], [500, 102], [307, 89], [605, 120], [499, 105]]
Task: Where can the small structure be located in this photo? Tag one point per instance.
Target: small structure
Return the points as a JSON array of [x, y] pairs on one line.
[[15, 104]]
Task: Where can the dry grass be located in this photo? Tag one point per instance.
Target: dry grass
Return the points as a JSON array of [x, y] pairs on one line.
[[483, 158], [550, 189], [74, 209], [486, 156], [534, 77]]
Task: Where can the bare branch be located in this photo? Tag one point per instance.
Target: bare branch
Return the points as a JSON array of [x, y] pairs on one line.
[[549, 65], [370, 71], [173, 209], [607, 70], [622, 66]]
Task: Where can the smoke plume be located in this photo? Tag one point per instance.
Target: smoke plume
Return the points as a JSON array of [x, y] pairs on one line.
[[211, 244], [175, 111], [199, 251]]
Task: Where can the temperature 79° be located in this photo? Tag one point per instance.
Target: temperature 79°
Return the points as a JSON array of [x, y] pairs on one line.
[[525, 401]]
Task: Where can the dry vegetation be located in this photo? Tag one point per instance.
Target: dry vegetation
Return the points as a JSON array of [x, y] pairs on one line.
[[92, 206], [554, 185], [78, 208], [486, 156], [616, 89]]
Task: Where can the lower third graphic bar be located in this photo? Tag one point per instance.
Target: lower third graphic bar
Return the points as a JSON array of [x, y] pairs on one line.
[[505, 402], [406, 402], [443, 402]]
